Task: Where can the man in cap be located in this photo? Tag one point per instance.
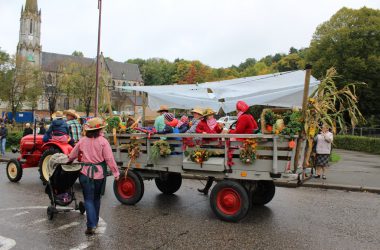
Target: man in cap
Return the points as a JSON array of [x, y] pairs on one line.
[[197, 114], [159, 123], [75, 128]]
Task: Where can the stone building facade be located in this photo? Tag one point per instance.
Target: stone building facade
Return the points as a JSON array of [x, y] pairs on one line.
[[29, 49]]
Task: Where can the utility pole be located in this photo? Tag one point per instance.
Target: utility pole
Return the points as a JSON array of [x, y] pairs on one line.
[[97, 60]]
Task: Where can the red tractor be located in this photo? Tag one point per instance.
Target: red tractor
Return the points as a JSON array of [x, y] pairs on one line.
[[35, 153]]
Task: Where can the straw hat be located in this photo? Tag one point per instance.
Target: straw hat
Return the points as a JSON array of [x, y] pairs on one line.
[[71, 112], [197, 110], [163, 108], [208, 111], [94, 124], [57, 115]]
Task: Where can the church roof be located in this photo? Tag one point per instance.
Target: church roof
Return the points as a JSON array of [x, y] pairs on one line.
[[31, 6], [120, 71], [124, 71], [52, 61]]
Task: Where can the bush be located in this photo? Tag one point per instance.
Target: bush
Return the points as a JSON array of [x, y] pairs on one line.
[[357, 143], [13, 139]]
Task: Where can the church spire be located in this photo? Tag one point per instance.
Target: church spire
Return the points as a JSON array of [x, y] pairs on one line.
[[31, 6]]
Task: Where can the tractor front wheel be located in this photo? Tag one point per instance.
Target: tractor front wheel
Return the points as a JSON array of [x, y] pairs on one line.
[[14, 170]]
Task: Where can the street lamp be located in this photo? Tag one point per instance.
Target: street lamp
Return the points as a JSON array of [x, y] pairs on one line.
[[97, 60]]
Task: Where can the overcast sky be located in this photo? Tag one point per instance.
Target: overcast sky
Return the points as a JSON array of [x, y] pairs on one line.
[[217, 32]]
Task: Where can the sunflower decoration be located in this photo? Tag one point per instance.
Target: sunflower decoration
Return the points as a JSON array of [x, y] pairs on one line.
[[199, 155], [160, 148], [248, 151]]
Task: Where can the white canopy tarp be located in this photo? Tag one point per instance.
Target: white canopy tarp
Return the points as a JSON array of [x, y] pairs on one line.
[[280, 89]]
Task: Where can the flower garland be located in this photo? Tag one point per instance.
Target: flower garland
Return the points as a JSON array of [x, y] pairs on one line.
[[248, 151], [133, 149], [198, 155], [160, 148]]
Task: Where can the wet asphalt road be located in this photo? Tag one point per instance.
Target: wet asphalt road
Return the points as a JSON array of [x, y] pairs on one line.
[[296, 219]]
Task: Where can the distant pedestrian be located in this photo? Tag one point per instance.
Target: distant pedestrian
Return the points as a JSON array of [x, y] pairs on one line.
[[323, 150], [42, 129], [3, 138], [28, 130]]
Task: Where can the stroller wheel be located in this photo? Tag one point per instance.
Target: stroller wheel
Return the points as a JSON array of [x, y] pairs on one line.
[[50, 212], [82, 209]]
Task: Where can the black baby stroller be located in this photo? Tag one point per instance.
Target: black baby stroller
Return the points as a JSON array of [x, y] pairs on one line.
[[60, 186]]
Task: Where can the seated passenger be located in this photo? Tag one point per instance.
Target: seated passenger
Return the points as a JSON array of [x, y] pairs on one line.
[[197, 114], [170, 124], [159, 123], [209, 125], [183, 124], [58, 130], [245, 124]]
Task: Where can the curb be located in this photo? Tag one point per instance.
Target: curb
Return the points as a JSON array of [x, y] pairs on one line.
[[342, 187]]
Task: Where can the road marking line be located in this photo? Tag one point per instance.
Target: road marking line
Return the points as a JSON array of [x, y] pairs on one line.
[[19, 214], [83, 245], [22, 208], [36, 222], [6, 243], [72, 224]]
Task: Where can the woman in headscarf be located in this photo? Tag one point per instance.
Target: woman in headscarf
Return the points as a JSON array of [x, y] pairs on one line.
[[95, 154], [245, 124], [209, 125]]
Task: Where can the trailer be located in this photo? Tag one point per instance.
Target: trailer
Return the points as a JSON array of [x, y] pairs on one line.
[[239, 185]]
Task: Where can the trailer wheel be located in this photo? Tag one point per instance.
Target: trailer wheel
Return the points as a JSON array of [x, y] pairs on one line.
[[263, 193], [14, 170], [43, 164], [170, 183], [129, 190], [229, 201]]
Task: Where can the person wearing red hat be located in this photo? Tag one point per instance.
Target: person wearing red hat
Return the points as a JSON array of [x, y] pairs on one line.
[[245, 124]]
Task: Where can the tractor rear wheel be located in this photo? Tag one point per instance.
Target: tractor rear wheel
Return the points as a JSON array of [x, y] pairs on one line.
[[14, 170], [43, 164]]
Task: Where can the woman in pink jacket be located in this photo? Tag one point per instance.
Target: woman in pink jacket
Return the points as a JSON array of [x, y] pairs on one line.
[[95, 154]]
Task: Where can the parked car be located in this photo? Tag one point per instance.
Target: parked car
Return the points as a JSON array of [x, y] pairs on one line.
[[227, 120]]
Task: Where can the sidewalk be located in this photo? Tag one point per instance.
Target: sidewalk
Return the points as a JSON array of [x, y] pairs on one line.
[[355, 171]]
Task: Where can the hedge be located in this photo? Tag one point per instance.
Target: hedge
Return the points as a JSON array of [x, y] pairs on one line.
[[13, 139], [358, 143]]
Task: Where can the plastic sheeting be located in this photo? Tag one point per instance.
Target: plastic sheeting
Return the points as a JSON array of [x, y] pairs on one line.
[[279, 89]]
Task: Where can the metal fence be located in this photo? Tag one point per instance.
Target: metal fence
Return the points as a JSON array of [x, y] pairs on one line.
[[369, 132]]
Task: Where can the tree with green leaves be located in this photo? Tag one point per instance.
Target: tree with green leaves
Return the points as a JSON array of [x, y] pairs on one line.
[[349, 41], [77, 53], [20, 84]]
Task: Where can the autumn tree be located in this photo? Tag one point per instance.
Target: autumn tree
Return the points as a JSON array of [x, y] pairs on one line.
[[349, 42]]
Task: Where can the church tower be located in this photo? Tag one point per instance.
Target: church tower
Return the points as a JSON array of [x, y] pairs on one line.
[[29, 45]]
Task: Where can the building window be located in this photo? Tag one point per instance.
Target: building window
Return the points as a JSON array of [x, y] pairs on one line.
[[31, 26]]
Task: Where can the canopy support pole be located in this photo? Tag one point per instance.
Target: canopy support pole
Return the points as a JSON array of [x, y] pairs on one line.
[[304, 108]]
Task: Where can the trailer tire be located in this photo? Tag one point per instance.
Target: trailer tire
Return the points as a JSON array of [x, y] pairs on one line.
[[229, 201], [263, 193], [129, 190], [14, 170], [42, 165], [170, 183]]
